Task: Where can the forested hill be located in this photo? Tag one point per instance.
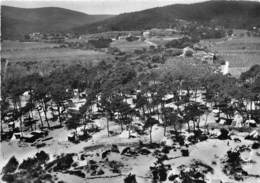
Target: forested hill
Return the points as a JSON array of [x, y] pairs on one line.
[[16, 22], [19, 21], [231, 14]]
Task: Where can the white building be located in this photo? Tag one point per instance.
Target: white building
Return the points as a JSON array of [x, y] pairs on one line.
[[225, 68], [146, 34]]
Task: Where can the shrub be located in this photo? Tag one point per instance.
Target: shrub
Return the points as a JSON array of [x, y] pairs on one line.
[[180, 43], [100, 43], [188, 53], [42, 156], [11, 166], [8, 178], [32, 163], [77, 173], [173, 52], [64, 162], [219, 60], [132, 38], [28, 163], [158, 59]]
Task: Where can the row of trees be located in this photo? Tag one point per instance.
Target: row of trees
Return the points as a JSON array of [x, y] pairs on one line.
[[110, 86]]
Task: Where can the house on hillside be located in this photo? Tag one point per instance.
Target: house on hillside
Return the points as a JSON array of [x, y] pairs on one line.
[[187, 52], [35, 36], [122, 37], [207, 57], [224, 69], [146, 34]]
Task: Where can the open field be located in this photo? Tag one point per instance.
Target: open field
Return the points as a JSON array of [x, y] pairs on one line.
[[36, 57], [9, 46], [165, 39], [124, 45], [241, 52], [32, 51]]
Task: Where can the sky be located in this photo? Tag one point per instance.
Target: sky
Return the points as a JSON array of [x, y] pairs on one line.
[[96, 6]]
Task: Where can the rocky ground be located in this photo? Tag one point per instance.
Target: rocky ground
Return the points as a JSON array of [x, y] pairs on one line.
[[208, 157]]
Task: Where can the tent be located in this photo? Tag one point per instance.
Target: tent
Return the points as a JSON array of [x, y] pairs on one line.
[[215, 132], [27, 137], [173, 175], [187, 52], [39, 133], [11, 124], [125, 134], [216, 181], [254, 135], [167, 141], [238, 120], [16, 136], [222, 121], [250, 123]]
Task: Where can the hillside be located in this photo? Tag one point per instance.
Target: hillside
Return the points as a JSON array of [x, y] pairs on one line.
[[18, 21], [233, 14]]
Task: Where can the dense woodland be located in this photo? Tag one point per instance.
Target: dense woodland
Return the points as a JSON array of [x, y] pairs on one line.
[[16, 22], [109, 85]]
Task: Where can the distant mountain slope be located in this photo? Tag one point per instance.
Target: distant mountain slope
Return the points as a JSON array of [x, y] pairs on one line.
[[234, 14], [18, 21]]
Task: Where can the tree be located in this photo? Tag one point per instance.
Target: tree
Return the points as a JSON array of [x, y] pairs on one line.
[[59, 94], [140, 102], [16, 90], [206, 111], [192, 112], [124, 110], [114, 103], [74, 122], [227, 109], [107, 107], [86, 109], [27, 109], [11, 165], [166, 117], [252, 74], [171, 118], [4, 110], [42, 98], [118, 78], [149, 123]]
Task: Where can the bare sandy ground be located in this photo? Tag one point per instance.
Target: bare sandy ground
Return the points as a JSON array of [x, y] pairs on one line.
[[206, 151]]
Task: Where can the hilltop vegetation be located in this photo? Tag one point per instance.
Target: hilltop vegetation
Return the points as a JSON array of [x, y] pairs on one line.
[[241, 51], [231, 14], [16, 22]]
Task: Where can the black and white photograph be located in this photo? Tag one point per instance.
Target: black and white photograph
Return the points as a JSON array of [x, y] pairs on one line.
[[130, 91]]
